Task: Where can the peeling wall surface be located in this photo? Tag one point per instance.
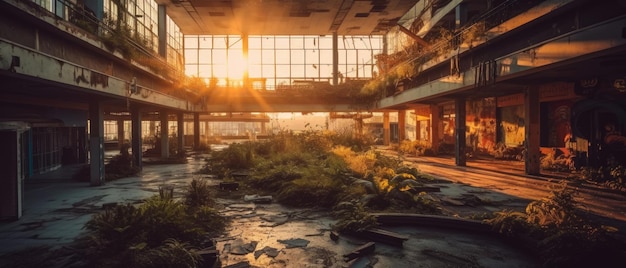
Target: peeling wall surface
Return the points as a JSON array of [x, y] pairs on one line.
[[481, 125], [512, 125]]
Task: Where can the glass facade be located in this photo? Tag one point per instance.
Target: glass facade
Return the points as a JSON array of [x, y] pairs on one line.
[[280, 60], [138, 17]]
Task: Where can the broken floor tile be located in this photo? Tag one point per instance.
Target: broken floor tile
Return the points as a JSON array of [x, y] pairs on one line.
[[267, 250], [295, 242]]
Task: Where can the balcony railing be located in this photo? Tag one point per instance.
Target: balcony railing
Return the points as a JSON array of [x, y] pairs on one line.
[[403, 66]]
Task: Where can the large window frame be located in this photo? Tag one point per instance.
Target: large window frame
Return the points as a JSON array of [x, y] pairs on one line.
[[282, 59]]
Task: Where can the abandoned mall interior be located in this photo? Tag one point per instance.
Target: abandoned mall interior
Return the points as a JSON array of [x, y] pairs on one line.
[[510, 80]]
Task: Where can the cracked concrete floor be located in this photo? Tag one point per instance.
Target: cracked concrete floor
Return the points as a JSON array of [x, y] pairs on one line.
[[261, 235]]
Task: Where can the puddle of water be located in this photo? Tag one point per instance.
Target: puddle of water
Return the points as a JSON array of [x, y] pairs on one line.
[[426, 247]]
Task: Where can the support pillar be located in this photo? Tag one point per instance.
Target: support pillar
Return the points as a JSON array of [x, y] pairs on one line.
[[13, 173], [96, 144], [120, 133], [207, 131], [417, 126], [246, 73], [531, 126], [196, 131], [162, 30], [459, 132], [435, 122], [335, 60], [136, 140], [386, 129], [401, 125], [152, 129], [165, 144], [358, 126], [180, 133]]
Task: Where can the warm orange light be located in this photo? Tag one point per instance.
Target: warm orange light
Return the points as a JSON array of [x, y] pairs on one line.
[[237, 65]]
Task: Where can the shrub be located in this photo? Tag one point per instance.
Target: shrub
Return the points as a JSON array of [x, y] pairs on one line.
[[172, 253], [120, 166], [553, 227], [161, 232], [308, 192], [198, 193], [358, 163], [353, 217]]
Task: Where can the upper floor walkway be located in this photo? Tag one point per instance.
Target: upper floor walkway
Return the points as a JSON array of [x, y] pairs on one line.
[[551, 41]]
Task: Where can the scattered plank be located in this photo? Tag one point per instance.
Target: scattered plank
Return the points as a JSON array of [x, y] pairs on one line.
[[258, 199], [229, 186], [365, 249], [383, 236], [334, 236], [243, 264]]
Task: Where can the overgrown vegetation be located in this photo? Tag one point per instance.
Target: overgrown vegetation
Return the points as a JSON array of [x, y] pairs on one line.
[[120, 166], [415, 148], [325, 169], [161, 232], [353, 217], [560, 235], [613, 176], [557, 162]]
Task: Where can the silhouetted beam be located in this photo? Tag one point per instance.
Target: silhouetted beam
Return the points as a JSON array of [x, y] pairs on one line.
[[414, 36]]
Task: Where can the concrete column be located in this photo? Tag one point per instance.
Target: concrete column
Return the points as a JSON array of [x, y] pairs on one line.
[[136, 139], [165, 144], [459, 132], [180, 132], [196, 130], [244, 48], [12, 179], [335, 60], [207, 131], [386, 129], [152, 128], [417, 126], [96, 143], [162, 31], [435, 121], [358, 126], [401, 125], [385, 51], [532, 116], [120, 133]]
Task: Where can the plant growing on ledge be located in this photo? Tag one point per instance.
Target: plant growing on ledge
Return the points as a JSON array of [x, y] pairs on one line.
[[386, 84]]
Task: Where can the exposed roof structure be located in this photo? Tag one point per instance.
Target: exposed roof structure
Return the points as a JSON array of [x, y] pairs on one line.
[[284, 17]]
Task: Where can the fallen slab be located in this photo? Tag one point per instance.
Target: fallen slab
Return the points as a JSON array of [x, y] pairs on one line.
[[267, 250], [258, 199], [382, 236], [433, 221], [295, 242], [365, 249], [243, 264]]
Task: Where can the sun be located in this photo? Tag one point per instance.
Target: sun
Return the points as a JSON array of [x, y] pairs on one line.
[[237, 65]]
